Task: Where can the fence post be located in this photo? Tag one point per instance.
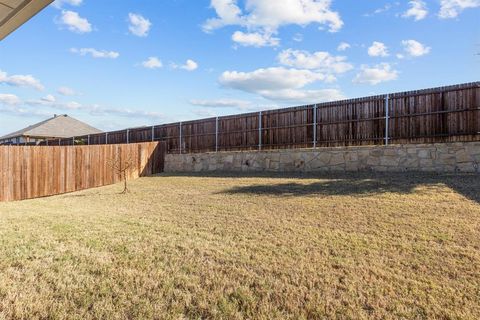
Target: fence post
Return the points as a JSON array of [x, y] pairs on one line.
[[153, 133], [88, 140], [46, 142], [260, 130], [128, 136], [59, 142], [387, 117], [314, 126], [106, 137], [73, 141], [180, 138], [216, 134]]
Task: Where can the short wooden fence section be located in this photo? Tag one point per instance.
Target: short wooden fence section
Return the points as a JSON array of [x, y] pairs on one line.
[[31, 171]]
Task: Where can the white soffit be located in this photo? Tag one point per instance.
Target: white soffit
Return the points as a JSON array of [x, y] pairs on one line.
[[14, 13]]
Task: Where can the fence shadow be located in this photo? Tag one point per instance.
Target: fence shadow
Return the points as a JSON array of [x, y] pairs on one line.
[[355, 184], [156, 161]]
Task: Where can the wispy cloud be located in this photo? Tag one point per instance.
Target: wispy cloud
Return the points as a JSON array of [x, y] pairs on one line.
[[189, 65], [377, 74], [74, 22], [414, 49], [418, 10], [94, 53], [66, 91], [138, 25], [152, 63], [20, 81], [12, 104], [452, 8], [378, 49]]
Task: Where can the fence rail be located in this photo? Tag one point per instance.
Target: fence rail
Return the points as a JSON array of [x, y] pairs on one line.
[[30, 172], [444, 114]]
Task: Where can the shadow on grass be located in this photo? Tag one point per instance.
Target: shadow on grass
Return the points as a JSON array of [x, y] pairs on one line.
[[357, 184]]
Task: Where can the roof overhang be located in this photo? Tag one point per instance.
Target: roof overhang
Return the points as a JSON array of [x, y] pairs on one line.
[[14, 13]]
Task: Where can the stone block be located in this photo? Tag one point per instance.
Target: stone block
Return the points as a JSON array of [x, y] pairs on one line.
[[351, 156], [426, 163], [424, 154], [228, 159], [373, 161], [389, 161], [390, 152], [352, 166], [377, 152], [337, 159], [466, 167], [462, 156]]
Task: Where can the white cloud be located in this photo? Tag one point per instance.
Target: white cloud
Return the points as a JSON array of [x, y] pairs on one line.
[[378, 49], [20, 81], [18, 110], [321, 61], [59, 3], [304, 96], [152, 63], [209, 108], [98, 110], [418, 10], [66, 91], [74, 22], [280, 84], [374, 75], [269, 79], [139, 25], [298, 37], [387, 7], [255, 39], [9, 99], [189, 65], [265, 19], [343, 46], [222, 103], [414, 48], [205, 112], [49, 98], [50, 101], [94, 53], [452, 8], [228, 13], [11, 104]]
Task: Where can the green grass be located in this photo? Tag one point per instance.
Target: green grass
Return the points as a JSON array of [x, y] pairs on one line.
[[355, 246]]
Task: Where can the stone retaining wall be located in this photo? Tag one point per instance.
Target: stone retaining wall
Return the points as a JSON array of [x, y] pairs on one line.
[[444, 157]]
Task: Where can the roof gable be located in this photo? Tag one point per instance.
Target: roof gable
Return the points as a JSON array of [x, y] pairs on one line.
[[61, 126]]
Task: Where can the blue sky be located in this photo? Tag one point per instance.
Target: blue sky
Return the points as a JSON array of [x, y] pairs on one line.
[[118, 64]]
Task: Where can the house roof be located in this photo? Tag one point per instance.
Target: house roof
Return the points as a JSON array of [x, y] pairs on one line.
[[14, 13], [60, 126]]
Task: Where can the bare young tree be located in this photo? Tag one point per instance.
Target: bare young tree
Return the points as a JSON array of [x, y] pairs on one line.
[[121, 167]]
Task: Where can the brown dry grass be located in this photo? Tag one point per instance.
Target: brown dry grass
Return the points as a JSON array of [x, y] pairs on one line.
[[338, 247]]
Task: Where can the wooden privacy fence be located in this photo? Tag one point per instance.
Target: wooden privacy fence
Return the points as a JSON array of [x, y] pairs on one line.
[[30, 171], [444, 114]]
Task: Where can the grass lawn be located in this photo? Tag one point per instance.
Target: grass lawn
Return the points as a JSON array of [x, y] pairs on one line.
[[354, 246]]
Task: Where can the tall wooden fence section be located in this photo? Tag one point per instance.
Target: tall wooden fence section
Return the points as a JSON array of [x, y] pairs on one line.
[[443, 114], [30, 171]]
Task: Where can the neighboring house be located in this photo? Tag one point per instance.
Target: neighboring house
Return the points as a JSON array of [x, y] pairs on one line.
[[60, 126]]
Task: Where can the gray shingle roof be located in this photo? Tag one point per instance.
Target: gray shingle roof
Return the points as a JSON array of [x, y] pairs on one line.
[[61, 126]]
